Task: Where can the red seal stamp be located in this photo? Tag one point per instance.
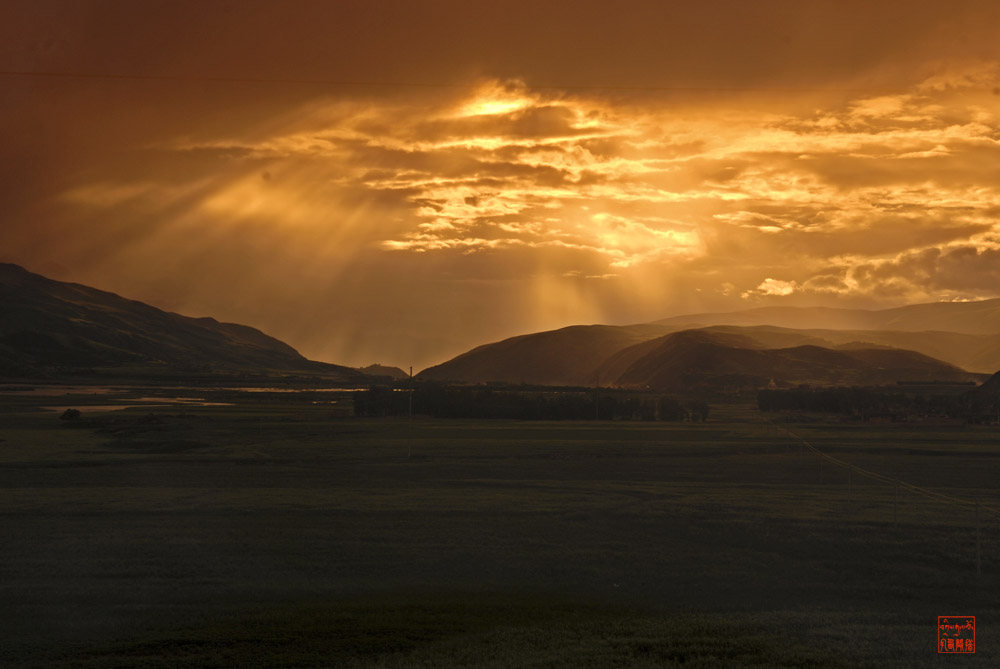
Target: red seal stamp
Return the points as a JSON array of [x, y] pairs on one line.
[[956, 634]]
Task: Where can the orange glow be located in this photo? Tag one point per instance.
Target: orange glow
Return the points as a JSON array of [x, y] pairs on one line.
[[491, 107], [435, 199], [495, 99]]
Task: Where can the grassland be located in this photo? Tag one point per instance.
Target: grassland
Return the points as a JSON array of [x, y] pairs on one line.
[[280, 532]]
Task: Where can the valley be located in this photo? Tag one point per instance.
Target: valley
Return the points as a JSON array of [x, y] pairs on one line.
[[279, 529]]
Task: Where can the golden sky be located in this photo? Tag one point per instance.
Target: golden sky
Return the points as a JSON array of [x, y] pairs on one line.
[[445, 174]]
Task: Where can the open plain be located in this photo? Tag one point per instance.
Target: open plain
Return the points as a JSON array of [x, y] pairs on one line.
[[275, 529]]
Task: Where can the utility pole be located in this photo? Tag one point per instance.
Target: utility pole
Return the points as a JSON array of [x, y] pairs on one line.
[[597, 397], [409, 418]]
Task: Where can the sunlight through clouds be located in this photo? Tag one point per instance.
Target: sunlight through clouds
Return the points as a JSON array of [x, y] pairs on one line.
[[496, 99], [504, 166], [574, 203]]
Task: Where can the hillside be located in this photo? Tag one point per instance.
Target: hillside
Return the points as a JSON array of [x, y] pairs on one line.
[[716, 356], [384, 371], [48, 326], [569, 356], [694, 358], [987, 394], [978, 353], [965, 335], [977, 318]]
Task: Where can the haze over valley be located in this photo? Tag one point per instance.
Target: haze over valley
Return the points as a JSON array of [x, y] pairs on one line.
[[50, 326]]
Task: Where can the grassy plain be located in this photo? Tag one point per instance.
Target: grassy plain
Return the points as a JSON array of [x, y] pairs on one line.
[[280, 532]]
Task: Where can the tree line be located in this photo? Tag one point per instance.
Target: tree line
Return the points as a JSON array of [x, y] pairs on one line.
[[456, 402], [865, 403]]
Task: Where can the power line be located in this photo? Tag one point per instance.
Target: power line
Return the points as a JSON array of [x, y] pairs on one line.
[[932, 494], [222, 80], [430, 85]]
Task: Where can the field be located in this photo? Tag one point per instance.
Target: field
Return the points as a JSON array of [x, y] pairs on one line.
[[278, 531]]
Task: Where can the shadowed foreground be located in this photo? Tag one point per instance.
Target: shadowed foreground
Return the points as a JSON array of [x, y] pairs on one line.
[[274, 533]]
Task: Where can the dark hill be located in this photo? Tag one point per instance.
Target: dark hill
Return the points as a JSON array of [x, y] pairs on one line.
[[982, 404], [719, 356], [991, 386], [580, 354], [989, 392], [569, 356], [48, 325], [974, 352], [394, 373], [693, 358], [982, 317]]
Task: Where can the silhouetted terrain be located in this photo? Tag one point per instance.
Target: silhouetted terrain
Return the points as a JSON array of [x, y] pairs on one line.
[[694, 358], [990, 390], [569, 356], [715, 357], [982, 317], [973, 352], [956, 335], [48, 325], [384, 370]]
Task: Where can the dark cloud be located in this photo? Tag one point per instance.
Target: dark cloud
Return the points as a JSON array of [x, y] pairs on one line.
[[580, 42], [962, 269]]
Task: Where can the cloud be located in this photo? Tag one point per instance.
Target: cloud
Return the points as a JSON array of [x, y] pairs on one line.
[[771, 287], [936, 272], [827, 283], [549, 204], [508, 166]]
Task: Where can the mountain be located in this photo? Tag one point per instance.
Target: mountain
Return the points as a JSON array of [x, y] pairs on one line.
[[982, 404], [978, 353], [569, 356], [723, 356], [394, 373], [700, 358], [579, 355], [990, 388], [982, 317], [48, 326]]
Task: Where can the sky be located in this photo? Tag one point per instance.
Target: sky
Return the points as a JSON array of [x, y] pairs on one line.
[[398, 182]]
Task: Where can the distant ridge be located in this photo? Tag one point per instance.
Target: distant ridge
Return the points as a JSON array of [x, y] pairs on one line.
[[49, 326], [978, 353], [378, 370], [695, 358], [981, 317], [947, 337], [557, 357]]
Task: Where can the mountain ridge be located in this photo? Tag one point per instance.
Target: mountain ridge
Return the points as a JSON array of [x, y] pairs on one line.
[[48, 325], [974, 317], [692, 358], [583, 355]]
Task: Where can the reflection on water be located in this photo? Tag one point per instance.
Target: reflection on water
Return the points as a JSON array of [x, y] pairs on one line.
[[287, 390], [23, 389], [104, 390], [69, 393], [154, 402], [59, 390], [94, 408], [199, 401]]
